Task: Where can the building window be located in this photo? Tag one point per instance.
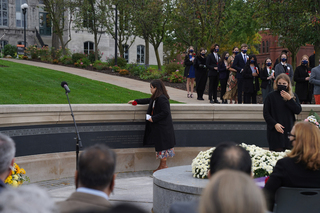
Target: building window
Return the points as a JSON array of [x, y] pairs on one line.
[[3, 12], [88, 47], [19, 14], [263, 47], [267, 46], [259, 48], [3, 43], [140, 54], [126, 52]]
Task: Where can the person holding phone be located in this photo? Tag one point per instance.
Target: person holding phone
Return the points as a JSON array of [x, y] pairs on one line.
[[159, 127]]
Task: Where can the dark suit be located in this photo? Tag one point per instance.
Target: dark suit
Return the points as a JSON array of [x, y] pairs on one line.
[[185, 207], [223, 76], [2, 185], [79, 201], [239, 64], [212, 63], [288, 173]]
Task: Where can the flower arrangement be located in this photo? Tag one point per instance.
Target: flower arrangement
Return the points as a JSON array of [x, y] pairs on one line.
[[312, 119], [263, 161], [17, 177], [124, 72]]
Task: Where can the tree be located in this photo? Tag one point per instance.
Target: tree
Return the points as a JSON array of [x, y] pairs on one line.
[[58, 11], [126, 30], [92, 16]]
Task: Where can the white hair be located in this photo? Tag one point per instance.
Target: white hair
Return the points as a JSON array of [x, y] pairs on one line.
[[26, 199], [7, 152]]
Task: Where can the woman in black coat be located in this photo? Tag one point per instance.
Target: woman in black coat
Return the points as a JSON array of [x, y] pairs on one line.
[[223, 69], [267, 78], [250, 76], [301, 77], [201, 73], [159, 127], [301, 168], [279, 111]]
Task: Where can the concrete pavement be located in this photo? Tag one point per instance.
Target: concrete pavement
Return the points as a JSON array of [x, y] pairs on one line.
[[175, 94]]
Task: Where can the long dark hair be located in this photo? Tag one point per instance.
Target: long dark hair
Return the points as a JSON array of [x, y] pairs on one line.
[[265, 63], [160, 89], [255, 61], [223, 57], [199, 54]]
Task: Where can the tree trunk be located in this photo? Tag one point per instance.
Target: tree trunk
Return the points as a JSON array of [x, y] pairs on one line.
[[294, 60], [317, 53], [146, 52], [95, 46], [158, 57], [121, 50], [55, 43]]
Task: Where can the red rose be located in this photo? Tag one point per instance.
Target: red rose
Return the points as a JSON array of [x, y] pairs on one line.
[[265, 180], [270, 68], [134, 103], [309, 72], [255, 68], [194, 54], [287, 73]]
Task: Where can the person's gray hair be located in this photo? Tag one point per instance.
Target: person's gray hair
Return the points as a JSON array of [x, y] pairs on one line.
[[26, 199], [7, 152]]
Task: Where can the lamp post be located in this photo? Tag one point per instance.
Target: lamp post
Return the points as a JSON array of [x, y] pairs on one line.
[[24, 8], [116, 38]]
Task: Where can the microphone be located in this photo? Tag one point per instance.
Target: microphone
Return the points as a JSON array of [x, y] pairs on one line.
[[65, 86]]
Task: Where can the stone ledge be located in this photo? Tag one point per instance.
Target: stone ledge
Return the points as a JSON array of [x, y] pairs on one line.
[[19, 115], [60, 165]]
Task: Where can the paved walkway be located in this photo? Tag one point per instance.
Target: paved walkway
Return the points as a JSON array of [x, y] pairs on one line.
[[175, 94]]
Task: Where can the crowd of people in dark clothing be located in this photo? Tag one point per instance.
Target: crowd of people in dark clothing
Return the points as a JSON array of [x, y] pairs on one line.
[[240, 76]]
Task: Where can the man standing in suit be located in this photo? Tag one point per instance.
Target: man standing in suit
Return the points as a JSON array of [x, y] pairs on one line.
[[239, 62], [7, 152], [212, 65], [94, 181], [315, 80], [227, 155]]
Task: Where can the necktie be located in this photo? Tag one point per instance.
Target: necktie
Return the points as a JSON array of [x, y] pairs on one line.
[[245, 59]]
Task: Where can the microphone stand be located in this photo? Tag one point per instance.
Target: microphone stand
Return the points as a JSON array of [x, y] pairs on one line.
[[78, 143]]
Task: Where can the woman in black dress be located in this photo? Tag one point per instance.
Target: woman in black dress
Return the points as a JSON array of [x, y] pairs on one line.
[[223, 69], [250, 76], [201, 73], [279, 111], [267, 78], [159, 127], [301, 77], [301, 168]]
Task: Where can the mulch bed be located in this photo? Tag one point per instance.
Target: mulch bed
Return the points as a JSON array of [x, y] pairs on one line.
[[181, 86]]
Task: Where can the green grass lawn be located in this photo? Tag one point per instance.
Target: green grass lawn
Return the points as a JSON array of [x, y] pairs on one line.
[[24, 84]]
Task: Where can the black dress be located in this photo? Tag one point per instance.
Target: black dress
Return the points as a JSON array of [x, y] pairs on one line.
[[160, 132], [289, 173], [201, 75], [303, 88], [250, 85], [276, 110]]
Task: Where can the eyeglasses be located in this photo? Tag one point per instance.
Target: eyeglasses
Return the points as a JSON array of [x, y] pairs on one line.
[[290, 135]]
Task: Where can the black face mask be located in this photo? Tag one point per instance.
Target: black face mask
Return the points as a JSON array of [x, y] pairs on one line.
[[282, 87]]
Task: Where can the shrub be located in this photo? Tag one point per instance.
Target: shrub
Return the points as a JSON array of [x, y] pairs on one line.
[[136, 69], [66, 60], [173, 67], [25, 57], [124, 72], [121, 62], [176, 77], [83, 63], [116, 68], [92, 58], [45, 54], [77, 56], [100, 65], [55, 61], [151, 73], [33, 51], [56, 53], [10, 50]]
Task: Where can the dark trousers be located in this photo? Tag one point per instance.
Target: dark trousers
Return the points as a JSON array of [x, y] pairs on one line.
[[223, 84], [248, 97], [240, 88], [201, 81], [213, 86]]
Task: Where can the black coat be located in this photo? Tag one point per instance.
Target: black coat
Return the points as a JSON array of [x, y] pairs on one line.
[[288, 173], [187, 64], [211, 64], [276, 110], [238, 64], [264, 75], [303, 88], [250, 83], [201, 72], [223, 72], [160, 132]]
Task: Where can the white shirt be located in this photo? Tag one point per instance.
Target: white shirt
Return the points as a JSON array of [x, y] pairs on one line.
[[93, 192], [244, 56], [216, 56]]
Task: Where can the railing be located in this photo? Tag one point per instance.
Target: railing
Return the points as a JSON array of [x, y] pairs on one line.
[[39, 38]]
